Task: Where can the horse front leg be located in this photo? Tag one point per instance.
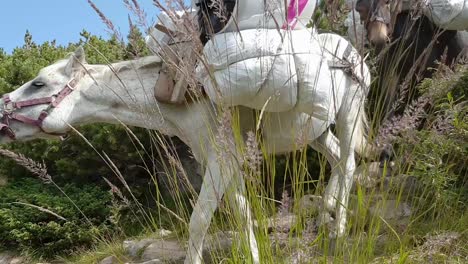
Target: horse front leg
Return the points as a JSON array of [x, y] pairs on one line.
[[349, 119], [329, 146], [215, 181]]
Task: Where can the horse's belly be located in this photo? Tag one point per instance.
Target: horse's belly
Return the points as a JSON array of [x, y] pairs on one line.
[[289, 131]]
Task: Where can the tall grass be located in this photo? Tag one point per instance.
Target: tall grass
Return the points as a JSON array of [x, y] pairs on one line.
[[429, 175]]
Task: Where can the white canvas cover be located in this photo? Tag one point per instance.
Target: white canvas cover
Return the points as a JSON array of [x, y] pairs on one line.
[[448, 14], [250, 67], [270, 69]]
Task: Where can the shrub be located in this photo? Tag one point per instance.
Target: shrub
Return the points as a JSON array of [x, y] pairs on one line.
[[38, 218], [437, 153]]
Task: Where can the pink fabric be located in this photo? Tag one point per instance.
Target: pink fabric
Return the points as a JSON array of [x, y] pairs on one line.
[[292, 15]]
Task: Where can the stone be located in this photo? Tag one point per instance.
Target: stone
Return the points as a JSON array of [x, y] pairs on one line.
[[134, 248], [408, 184], [396, 213], [220, 241], [370, 174], [109, 260], [164, 250], [161, 233], [153, 261], [391, 209], [281, 222], [17, 260], [218, 244], [5, 258], [309, 204], [8, 258]]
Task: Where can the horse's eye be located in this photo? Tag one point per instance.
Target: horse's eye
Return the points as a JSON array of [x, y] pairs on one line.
[[38, 84]]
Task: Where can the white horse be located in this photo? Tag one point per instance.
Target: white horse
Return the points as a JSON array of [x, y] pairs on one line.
[[71, 92]]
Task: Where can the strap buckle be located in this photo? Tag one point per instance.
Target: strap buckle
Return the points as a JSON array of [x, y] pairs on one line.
[[8, 107]]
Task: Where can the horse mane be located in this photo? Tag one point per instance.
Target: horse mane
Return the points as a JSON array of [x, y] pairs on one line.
[[147, 62], [422, 32]]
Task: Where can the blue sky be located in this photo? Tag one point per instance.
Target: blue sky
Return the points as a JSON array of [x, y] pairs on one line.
[[61, 20]]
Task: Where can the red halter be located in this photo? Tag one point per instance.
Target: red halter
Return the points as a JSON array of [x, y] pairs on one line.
[[10, 107]]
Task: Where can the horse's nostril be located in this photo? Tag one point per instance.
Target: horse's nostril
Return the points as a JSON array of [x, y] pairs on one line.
[[378, 42]]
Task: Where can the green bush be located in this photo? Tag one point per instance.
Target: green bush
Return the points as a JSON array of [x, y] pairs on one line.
[[36, 217], [437, 154]]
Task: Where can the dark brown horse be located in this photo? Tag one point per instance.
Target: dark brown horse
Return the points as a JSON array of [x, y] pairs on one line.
[[410, 47]]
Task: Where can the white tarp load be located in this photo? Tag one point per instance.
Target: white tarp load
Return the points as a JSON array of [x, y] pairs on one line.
[[270, 69], [448, 14], [249, 68]]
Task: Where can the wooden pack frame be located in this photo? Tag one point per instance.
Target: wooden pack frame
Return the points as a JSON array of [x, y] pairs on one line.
[[179, 59]]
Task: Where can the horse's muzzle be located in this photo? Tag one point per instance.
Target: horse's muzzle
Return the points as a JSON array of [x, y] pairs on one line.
[[378, 34]]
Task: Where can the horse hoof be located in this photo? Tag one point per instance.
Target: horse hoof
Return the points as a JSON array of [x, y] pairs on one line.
[[386, 155], [333, 235], [325, 219]]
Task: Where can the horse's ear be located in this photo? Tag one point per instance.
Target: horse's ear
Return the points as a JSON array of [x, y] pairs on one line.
[[80, 54], [76, 61]]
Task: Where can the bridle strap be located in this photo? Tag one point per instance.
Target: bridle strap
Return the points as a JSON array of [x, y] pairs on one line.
[[68, 89], [52, 102], [32, 102]]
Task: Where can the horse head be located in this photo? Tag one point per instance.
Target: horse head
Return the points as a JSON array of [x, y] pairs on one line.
[[71, 92], [379, 18], [43, 107]]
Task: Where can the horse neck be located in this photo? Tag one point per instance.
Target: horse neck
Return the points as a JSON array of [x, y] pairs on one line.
[[124, 93], [420, 33], [411, 38]]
